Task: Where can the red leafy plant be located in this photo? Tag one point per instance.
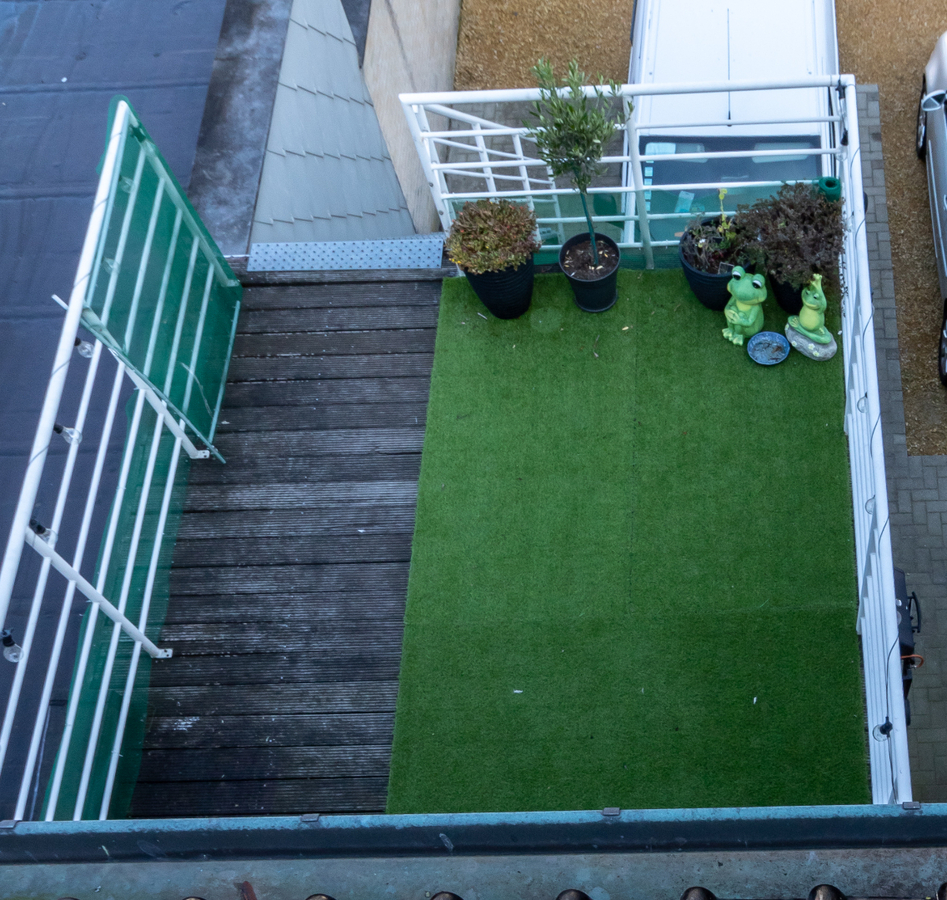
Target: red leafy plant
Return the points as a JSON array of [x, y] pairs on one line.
[[490, 236]]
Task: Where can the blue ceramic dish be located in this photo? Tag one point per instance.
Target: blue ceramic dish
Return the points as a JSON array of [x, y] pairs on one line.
[[768, 348]]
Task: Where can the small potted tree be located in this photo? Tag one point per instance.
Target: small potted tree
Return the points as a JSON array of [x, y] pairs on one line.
[[493, 242], [571, 132], [800, 233]]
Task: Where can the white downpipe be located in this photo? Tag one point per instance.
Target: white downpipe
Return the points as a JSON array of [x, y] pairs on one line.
[[64, 351], [142, 622]]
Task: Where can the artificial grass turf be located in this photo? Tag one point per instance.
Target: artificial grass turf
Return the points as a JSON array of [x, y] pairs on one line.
[[632, 580]]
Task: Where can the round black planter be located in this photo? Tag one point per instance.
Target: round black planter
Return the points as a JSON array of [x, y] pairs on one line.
[[711, 290], [788, 297], [507, 293], [598, 294]]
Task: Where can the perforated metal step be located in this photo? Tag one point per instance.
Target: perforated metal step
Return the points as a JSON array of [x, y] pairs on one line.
[[421, 252]]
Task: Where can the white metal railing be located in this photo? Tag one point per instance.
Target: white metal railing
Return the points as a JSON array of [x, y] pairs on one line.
[[495, 164], [165, 248]]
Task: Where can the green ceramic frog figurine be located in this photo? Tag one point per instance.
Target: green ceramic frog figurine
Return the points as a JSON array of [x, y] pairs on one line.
[[811, 319], [743, 311]]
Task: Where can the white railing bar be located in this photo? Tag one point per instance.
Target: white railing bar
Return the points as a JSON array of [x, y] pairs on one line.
[[71, 585], [894, 751], [652, 127], [424, 154], [64, 351], [70, 590], [449, 169], [143, 264], [718, 123], [142, 623], [162, 294], [435, 99], [463, 167], [105, 560], [182, 311], [121, 621], [448, 111], [123, 114], [106, 678], [487, 164], [160, 406], [195, 350], [193, 226], [116, 265], [634, 164], [617, 189], [41, 581], [223, 377], [471, 148]]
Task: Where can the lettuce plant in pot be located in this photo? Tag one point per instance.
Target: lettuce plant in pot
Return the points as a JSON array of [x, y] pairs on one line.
[[493, 242], [800, 233], [709, 249], [571, 131]]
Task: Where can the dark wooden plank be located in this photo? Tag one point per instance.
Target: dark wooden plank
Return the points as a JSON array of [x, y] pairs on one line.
[[282, 368], [303, 607], [277, 579], [259, 731], [408, 439], [258, 798], [265, 763], [342, 295], [333, 519], [369, 318], [279, 668], [336, 467], [289, 699], [328, 417], [305, 392], [207, 498], [349, 342], [331, 636], [295, 550]]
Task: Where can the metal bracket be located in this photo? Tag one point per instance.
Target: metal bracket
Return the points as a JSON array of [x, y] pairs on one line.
[[611, 811], [9, 824], [911, 806], [309, 818]]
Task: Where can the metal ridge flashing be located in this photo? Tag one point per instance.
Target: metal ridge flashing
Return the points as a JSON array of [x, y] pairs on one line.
[[598, 831]]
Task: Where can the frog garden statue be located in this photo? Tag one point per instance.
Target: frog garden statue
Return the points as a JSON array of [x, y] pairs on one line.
[[743, 311], [807, 332]]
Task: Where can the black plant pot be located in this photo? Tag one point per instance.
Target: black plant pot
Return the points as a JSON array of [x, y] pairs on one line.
[[507, 293], [593, 295], [788, 297], [711, 290]]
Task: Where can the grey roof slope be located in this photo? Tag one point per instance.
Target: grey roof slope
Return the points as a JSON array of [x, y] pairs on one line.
[[327, 175]]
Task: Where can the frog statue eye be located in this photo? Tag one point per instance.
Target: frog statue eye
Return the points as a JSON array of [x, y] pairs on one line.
[[757, 282], [736, 274]]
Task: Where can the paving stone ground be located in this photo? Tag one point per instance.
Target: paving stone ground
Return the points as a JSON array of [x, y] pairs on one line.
[[917, 485]]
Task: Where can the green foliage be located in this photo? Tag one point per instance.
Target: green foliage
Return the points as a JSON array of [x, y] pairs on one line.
[[570, 131], [490, 236], [797, 233]]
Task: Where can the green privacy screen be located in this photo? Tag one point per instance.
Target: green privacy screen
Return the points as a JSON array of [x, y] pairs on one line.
[[160, 295]]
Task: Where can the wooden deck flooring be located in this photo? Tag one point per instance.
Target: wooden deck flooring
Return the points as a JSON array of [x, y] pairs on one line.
[[291, 567]]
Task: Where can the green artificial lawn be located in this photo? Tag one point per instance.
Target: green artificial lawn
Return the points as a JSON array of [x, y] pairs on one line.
[[632, 581]]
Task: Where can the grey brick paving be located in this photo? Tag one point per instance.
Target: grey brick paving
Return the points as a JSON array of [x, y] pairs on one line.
[[917, 485]]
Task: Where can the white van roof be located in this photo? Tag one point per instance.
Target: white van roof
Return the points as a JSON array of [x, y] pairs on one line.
[[680, 41]]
